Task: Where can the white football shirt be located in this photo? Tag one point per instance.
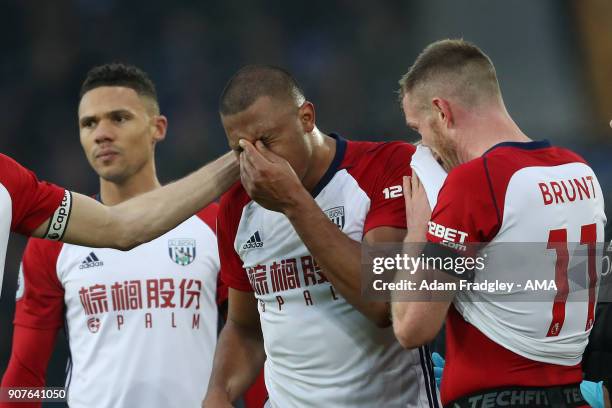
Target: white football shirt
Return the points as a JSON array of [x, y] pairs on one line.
[[533, 209], [321, 351], [141, 324]]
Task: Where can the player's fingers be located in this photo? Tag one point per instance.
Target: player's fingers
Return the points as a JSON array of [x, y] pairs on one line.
[[414, 185], [265, 152], [242, 161], [252, 155], [407, 194], [421, 186], [246, 168], [241, 157], [246, 175], [418, 189], [407, 187], [251, 164]]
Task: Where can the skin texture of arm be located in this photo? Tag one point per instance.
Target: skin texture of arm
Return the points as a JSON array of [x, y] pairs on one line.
[[149, 215], [240, 353], [339, 256], [32, 349], [417, 323]]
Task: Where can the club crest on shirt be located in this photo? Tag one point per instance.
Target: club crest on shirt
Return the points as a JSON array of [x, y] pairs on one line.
[[336, 215], [182, 251], [93, 324]]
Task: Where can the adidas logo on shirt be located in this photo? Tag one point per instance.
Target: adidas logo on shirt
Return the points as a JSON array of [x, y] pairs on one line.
[[91, 261], [253, 242]]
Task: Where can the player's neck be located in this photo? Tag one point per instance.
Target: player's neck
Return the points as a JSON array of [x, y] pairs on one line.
[[488, 131], [323, 152], [112, 193]]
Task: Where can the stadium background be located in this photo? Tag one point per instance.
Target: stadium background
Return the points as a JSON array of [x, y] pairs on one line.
[[553, 58]]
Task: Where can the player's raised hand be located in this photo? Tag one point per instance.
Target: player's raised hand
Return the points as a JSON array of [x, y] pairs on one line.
[[418, 210], [268, 178]]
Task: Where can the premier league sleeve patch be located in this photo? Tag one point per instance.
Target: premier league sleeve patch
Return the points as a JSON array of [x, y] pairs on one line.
[[182, 251]]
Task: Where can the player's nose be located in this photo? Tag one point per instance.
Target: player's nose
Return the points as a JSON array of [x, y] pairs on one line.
[[103, 133]]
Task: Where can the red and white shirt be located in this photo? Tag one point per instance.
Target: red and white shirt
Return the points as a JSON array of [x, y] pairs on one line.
[[25, 202], [320, 350], [520, 193], [141, 324]]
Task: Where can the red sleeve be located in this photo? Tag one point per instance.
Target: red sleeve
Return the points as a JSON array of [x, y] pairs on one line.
[[209, 216], [257, 394], [230, 212], [466, 211], [32, 349], [40, 303], [380, 174], [33, 201], [222, 291]]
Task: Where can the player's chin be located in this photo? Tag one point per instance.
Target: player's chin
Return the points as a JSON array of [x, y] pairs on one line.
[[114, 174]]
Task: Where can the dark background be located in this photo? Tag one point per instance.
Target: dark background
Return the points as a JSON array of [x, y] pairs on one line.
[[553, 58]]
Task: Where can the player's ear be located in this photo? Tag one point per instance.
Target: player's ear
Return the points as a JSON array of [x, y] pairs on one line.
[[160, 125], [306, 114], [443, 111]]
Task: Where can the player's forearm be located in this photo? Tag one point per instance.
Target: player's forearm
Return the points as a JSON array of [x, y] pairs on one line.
[[150, 215], [338, 255], [238, 361], [417, 321]]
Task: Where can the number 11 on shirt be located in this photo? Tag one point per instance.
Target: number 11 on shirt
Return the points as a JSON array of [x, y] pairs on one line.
[[557, 240]]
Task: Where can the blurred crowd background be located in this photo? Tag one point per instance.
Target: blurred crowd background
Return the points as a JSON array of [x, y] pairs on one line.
[[553, 58]]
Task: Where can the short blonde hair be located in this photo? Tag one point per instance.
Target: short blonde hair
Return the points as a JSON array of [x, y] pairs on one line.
[[458, 66]]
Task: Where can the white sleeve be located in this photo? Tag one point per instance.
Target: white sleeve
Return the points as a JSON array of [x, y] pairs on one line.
[[429, 171]]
